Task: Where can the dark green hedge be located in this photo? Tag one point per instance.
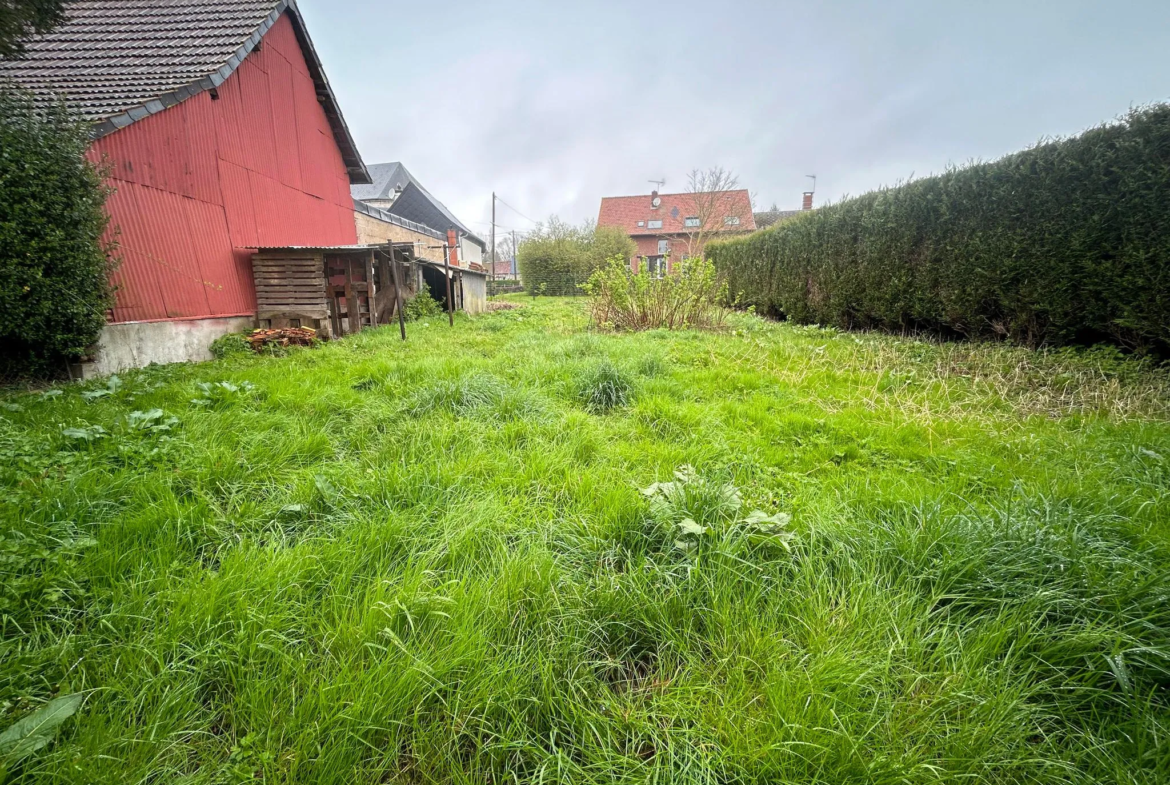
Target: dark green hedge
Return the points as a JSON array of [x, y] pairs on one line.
[[54, 266], [1067, 242]]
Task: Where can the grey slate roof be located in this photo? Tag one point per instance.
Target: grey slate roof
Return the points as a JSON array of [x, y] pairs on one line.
[[118, 61], [770, 217], [415, 203], [386, 178]]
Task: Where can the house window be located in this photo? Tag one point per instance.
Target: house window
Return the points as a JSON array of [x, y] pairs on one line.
[[731, 220], [654, 224], [691, 222], [641, 223], [663, 247]]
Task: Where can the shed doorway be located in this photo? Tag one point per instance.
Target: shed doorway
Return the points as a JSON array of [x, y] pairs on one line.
[[436, 284]]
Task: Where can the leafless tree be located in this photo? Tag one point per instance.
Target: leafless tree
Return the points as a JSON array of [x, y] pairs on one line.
[[714, 208]]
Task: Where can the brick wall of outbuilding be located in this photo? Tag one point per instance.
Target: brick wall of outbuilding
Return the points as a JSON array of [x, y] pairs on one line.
[[372, 230]]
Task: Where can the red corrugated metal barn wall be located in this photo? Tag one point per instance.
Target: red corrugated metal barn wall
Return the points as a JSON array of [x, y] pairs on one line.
[[201, 182]]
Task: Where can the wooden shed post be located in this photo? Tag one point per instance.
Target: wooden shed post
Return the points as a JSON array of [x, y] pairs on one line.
[[351, 298], [447, 277], [385, 276], [371, 291], [397, 293]]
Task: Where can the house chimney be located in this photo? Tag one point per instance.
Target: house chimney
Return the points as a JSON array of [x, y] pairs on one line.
[[453, 247], [807, 205]]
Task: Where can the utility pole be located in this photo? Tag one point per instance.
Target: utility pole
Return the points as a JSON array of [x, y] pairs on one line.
[[493, 241], [515, 260]]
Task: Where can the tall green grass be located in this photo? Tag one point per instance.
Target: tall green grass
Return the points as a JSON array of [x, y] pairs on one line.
[[434, 562]]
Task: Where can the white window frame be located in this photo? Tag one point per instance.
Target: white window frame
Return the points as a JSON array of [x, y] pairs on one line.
[[655, 224], [731, 220], [691, 222]]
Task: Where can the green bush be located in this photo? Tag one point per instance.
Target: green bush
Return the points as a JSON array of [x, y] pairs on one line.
[[231, 345], [1064, 243], [557, 258], [54, 264], [421, 306], [606, 242], [690, 297]]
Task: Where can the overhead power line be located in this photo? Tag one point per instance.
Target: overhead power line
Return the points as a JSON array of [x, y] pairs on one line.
[[513, 209]]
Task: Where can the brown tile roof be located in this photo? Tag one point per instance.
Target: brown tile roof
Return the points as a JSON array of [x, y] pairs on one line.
[[118, 61], [626, 211]]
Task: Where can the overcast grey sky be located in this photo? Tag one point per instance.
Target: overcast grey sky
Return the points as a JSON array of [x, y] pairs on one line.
[[556, 104]]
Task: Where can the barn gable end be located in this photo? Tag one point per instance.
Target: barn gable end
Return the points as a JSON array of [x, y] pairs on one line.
[[253, 162]]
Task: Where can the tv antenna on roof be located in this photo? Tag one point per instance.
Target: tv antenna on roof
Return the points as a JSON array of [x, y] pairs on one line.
[[659, 183], [812, 177]]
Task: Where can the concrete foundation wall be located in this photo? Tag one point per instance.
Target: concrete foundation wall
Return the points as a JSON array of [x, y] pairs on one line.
[[137, 344]]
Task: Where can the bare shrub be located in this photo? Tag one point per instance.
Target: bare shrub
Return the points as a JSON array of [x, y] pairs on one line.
[[690, 297]]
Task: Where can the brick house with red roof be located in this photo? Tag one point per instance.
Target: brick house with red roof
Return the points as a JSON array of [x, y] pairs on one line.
[[670, 227]]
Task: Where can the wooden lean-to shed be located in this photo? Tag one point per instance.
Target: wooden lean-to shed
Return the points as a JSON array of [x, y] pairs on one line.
[[336, 290]]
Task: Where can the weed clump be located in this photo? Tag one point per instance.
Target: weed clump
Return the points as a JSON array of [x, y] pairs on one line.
[[477, 395], [604, 387], [223, 395], [230, 345], [695, 510]]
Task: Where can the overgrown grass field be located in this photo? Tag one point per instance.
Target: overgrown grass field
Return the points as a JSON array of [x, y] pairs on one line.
[[435, 561]]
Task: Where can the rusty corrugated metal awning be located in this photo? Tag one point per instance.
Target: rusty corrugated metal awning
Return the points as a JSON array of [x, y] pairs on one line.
[[322, 248]]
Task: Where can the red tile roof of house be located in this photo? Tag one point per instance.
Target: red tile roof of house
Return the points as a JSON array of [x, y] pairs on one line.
[[626, 211]]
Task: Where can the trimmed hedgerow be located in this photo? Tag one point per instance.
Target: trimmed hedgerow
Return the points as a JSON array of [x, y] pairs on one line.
[[54, 265], [1064, 243]]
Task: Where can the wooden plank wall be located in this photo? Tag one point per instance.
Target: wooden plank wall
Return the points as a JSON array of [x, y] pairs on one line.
[[290, 285]]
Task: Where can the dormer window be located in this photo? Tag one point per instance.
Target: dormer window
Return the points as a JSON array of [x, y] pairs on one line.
[[691, 222], [654, 224]]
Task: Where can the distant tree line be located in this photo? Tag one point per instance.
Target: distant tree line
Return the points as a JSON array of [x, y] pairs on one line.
[[557, 258]]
